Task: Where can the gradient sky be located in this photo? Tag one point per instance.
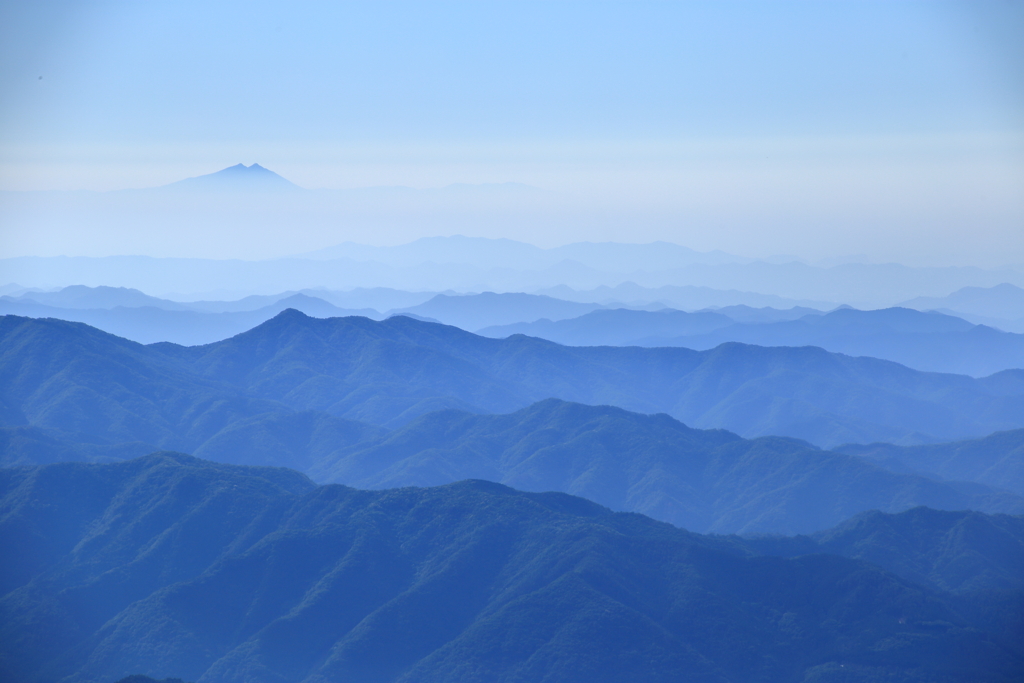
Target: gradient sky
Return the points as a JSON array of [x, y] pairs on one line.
[[894, 129]]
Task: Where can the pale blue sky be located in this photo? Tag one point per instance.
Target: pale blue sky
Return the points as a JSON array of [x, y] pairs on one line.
[[778, 110]]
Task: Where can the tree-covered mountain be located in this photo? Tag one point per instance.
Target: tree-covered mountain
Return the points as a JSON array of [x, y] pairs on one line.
[[171, 566], [707, 481], [929, 341], [996, 460], [390, 372], [71, 392], [703, 480], [956, 551]]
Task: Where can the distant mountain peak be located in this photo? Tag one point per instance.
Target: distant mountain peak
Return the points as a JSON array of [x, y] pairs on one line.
[[237, 178]]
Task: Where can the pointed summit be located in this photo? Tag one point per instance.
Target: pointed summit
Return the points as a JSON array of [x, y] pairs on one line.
[[237, 178]]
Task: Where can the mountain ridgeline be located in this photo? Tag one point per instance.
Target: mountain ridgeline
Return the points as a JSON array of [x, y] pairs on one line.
[[401, 500], [929, 341], [169, 566], [996, 460], [285, 393], [708, 481], [391, 371]]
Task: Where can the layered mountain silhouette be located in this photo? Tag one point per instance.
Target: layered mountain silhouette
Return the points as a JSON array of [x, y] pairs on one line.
[[1001, 306], [634, 275], [708, 481], [286, 393], [82, 297], [149, 320], [996, 460], [171, 566], [925, 341], [391, 371], [957, 551], [472, 312]]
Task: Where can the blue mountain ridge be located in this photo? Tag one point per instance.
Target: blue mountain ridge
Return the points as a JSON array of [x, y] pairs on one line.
[[171, 566], [256, 400]]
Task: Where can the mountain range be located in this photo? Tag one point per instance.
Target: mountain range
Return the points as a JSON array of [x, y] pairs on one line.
[[996, 460], [925, 341], [1001, 306], [654, 272], [707, 481], [390, 371], [395, 499], [161, 320], [171, 566], [371, 404]]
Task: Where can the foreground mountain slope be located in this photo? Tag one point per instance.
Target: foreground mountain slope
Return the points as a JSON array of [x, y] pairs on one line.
[[171, 566], [699, 480]]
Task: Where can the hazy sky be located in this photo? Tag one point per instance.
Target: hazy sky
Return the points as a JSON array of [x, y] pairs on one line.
[[894, 129]]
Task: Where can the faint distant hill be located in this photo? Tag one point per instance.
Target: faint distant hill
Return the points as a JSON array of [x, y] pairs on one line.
[[683, 297], [1001, 306], [237, 178], [681, 284], [929, 341], [80, 296], [474, 311], [506, 253], [615, 327]]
